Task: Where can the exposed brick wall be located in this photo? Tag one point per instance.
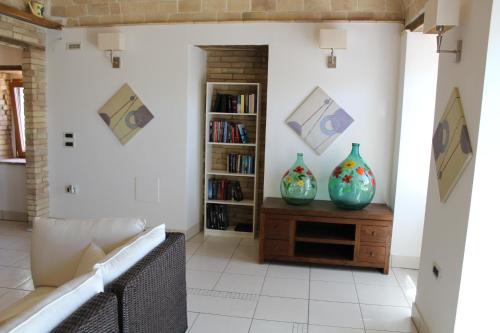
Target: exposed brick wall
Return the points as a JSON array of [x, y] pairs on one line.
[[242, 64], [5, 118], [107, 12], [32, 39]]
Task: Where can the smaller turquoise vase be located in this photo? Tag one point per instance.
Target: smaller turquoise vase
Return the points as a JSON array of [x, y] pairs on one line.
[[298, 185], [352, 184]]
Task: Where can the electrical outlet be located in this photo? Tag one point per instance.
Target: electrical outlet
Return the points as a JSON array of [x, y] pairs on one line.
[[436, 271], [72, 189]]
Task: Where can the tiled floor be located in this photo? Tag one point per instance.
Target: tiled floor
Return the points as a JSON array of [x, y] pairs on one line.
[[229, 292]]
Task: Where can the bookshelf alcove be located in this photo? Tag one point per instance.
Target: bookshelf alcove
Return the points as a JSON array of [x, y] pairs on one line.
[[222, 164]]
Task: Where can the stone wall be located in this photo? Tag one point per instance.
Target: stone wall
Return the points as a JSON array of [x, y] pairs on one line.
[[5, 118], [109, 12], [412, 9], [32, 40]]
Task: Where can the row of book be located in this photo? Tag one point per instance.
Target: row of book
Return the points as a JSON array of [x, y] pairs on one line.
[[217, 217], [223, 189], [227, 132], [238, 163], [231, 103]]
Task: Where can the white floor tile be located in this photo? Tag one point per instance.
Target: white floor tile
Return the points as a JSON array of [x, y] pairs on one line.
[[387, 318], [248, 284], [206, 323], [191, 319], [293, 288], [333, 291], [15, 243], [249, 242], [407, 278], [216, 249], [11, 277], [247, 253], [201, 279], [222, 303], [375, 277], [381, 295], [199, 238], [191, 247], [205, 263], [332, 274], [10, 297], [282, 309], [237, 266], [335, 314], [228, 240], [329, 329], [288, 271], [9, 257], [266, 326]]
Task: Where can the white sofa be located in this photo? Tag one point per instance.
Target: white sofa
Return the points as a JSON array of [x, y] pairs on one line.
[[71, 261]]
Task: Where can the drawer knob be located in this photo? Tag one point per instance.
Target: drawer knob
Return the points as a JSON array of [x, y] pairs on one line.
[[372, 254], [373, 233]]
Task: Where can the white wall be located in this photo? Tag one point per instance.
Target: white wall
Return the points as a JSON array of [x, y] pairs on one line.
[[12, 56], [446, 223], [419, 64], [156, 66], [12, 191], [478, 301]]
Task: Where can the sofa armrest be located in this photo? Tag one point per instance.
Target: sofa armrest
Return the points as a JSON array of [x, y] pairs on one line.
[[99, 314], [152, 293]]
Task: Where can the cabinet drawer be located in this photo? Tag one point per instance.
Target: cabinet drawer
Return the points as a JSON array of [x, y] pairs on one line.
[[375, 234], [276, 248], [374, 254], [277, 229]]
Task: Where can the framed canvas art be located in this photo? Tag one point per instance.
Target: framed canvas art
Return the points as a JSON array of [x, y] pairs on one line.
[[125, 114], [319, 121], [451, 145]]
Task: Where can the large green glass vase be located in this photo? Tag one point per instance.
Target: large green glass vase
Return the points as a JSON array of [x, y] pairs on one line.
[[352, 183], [298, 185]]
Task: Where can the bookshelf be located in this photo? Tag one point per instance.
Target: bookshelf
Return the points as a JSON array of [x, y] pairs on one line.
[[241, 214]]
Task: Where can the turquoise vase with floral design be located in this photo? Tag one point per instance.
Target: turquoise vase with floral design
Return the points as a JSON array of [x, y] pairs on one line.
[[352, 184], [298, 185]]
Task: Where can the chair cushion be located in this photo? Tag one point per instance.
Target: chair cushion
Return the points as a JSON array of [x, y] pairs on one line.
[[89, 258], [122, 258], [48, 307], [25, 303], [58, 244]]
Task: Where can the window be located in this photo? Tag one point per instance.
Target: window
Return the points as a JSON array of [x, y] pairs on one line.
[[17, 96]]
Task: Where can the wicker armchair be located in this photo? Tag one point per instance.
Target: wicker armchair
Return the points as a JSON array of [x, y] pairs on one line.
[[98, 315], [152, 294]]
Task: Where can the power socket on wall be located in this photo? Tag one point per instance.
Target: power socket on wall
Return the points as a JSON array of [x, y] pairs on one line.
[[71, 189], [436, 271]]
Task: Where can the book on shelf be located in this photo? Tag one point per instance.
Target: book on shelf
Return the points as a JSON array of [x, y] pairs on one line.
[[223, 189], [217, 217], [238, 163], [222, 131], [232, 103]]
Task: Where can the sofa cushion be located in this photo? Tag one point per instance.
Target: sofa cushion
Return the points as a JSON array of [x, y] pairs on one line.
[[122, 258], [92, 254], [53, 306], [58, 244], [25, 303]]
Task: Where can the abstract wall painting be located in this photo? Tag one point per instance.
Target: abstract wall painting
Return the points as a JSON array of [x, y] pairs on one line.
[[125, 114], [319, 121], [451, 145]]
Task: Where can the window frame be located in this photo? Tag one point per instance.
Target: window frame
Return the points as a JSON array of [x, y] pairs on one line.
[[16, 83]]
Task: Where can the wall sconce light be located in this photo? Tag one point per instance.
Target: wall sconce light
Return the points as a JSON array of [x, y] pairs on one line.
[[111, 42], [441, 16], [332, 39]]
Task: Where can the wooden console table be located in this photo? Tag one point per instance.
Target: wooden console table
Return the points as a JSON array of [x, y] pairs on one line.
[[323, 234]]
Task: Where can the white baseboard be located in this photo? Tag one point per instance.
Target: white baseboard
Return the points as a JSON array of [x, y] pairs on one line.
[[193, 231], [13, 216], [405, 262], [418, 320]]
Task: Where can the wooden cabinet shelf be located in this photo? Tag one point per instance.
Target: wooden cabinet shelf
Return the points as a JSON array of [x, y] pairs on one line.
[[322, 234], [28, 17]]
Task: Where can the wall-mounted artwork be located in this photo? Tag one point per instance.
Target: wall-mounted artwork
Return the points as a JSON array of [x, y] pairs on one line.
[[125, 114], [319, 120], [451, 145]]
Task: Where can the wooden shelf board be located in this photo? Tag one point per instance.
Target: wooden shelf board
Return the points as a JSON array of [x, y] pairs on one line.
[[232, 144], [229, 174], [28, 17], [324, 240], [233, 203], [231, 114], [230, 232]]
